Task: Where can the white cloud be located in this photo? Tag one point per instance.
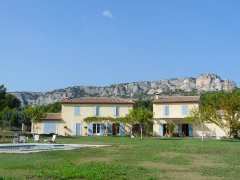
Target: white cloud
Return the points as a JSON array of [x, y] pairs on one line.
[[107, 14]]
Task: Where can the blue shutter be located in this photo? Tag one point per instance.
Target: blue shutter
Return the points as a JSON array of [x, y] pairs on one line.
[[102, 129], [90, 129], [97, 111], [73, 129], [109, 129], [161, 130], [117, 111], [190, 128], [180, 130], [166, 110], [122, 129], [78, 129], [76, 111], [185, 110]]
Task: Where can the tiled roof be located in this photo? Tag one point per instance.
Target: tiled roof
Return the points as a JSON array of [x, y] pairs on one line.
[[52, 116], [97, 100], [177, 99]]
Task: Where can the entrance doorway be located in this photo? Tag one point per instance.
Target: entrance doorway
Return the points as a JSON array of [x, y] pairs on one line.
[[96, 129], [185, 130], [164, 129], [115, 129]]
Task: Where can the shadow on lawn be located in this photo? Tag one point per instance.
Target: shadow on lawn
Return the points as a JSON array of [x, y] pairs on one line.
[[170, 139], [231, 140]]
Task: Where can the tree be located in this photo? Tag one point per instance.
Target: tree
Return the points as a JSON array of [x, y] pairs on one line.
[[52, 108], [222, 109], [34, 113], [199, 116], [140, 116], [2, 97], [141, 103], [12, 102]]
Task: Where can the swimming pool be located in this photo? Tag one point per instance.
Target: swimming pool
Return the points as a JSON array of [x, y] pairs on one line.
[[29, 148]]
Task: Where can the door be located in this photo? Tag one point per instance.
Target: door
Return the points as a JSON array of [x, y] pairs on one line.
[[115, 129], [97, 129], [78, 129], [50, 127], [185, 130]]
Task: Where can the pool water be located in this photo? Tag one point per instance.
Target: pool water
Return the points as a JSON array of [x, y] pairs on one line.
[[28, 148]]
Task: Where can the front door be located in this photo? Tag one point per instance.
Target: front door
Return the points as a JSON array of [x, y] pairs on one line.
[[115, 129], [78, 129], [185, 130]]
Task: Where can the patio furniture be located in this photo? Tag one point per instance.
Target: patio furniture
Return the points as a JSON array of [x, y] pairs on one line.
[[53, 140], [22, 139], [15, 139], [36, 138]]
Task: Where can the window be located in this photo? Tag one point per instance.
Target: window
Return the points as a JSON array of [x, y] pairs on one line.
[[116, 111], [166, 110], [77, 111], [96, 128], [97, 111], [185, 110]]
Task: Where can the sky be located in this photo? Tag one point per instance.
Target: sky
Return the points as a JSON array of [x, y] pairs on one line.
[[46, 45]]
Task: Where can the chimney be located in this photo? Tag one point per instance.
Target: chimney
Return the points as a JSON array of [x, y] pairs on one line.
[[157, 95]]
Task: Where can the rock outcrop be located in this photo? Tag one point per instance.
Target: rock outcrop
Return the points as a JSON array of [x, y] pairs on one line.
[[144, 89]]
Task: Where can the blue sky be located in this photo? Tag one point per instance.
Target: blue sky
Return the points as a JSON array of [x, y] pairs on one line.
[[46, 45]]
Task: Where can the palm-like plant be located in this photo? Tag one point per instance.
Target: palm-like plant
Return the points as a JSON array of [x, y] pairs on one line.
[[140, 116]]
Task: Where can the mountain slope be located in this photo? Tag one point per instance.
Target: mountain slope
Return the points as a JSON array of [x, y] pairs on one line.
[[144, 89]]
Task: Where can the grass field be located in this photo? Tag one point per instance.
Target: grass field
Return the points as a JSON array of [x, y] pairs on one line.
[[152, 158]]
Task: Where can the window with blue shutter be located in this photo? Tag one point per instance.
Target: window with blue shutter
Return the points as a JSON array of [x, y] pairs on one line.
[[109, 129], [78, 130], [102, 129], [166, 110], [190, 129], [76, 111], [90, 129], [180, 130], [122, 129], [161, 130], [185, 110], [97, 111], [116, 111]]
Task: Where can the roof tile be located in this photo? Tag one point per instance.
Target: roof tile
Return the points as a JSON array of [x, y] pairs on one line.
[[97, 100], [177, 99]]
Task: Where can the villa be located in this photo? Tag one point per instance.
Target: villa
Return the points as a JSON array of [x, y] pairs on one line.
[[166, 110], [174, 110], [71, 120]]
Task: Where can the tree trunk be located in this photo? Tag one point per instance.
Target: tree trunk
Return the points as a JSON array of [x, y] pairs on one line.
[[141, 129], [23, 127]]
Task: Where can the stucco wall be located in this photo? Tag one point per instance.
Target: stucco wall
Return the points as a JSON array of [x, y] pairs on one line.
[[208, 129], [68, 126], [175, 110]]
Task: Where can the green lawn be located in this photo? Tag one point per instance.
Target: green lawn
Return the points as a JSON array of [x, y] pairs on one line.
[[151, 158]]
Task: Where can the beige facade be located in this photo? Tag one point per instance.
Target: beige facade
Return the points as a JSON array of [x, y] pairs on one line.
[[174, 110], [73, 114]]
